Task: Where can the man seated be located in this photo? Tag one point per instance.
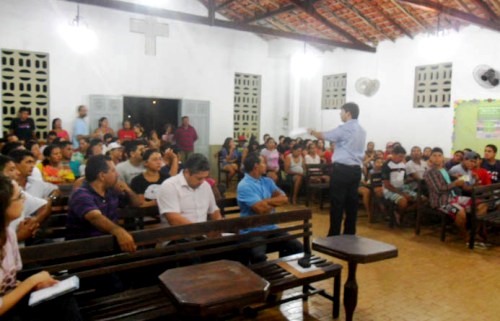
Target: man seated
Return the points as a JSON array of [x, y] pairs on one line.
[[92, 207], [463, 171], [458, 157], [442, 195], [133, 166], [416, 167], [259, 195], [186, 197], [491, 164], [393, 176]]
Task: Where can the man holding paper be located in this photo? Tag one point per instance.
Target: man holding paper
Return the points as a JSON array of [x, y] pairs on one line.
[[347, 160]]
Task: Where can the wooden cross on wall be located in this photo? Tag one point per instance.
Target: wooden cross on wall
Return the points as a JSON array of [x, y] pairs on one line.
[[151, 29]]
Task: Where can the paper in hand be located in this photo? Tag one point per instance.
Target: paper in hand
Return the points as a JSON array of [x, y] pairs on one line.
[[298, 132], [63, 287]]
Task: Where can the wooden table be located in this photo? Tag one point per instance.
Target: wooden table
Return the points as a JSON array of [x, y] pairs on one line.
[[213, 288], [354, 249]]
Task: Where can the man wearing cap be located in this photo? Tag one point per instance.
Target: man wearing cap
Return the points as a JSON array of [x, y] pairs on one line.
[[350, 140], [115, 152], [463, 171]]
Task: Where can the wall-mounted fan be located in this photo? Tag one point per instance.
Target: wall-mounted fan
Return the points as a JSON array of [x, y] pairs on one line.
[[486, 76], [367, 86]]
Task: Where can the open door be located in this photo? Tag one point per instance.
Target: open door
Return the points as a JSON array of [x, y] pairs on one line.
[[198, 112]]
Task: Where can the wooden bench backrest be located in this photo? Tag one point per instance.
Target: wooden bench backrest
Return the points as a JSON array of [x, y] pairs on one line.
[[318, 169], [485, 194], [101, 255]]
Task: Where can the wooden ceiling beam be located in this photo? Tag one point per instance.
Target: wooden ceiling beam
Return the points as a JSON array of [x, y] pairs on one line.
[[487, 9], [224, 4], [380, 11], [272, 13], [310, 10], [453, 13], [365, 19], [408, 14], [203, 20]]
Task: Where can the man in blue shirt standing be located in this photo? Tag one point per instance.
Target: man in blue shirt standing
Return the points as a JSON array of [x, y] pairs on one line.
[[259, 195], [347, 160], [80, 127]]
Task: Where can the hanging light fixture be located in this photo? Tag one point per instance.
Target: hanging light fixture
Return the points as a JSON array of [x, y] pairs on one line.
[[79, 37]]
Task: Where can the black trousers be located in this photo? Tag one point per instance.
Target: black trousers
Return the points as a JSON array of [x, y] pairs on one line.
[[344, 183]]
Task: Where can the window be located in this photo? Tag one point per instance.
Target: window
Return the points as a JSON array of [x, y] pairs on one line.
[[334, 91], [247, 90], [433, 86]]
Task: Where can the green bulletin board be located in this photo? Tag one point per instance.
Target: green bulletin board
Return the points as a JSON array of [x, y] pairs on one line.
[[476, 124]]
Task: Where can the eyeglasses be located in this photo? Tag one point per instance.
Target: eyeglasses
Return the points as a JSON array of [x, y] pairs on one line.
[[21, 197]]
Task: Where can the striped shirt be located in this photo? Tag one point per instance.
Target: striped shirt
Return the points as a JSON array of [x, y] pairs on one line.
[[185, 138]]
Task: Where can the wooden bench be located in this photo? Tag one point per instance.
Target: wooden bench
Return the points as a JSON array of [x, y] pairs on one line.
[[96, 257], [489, 195], [316, 172], [228, 206]]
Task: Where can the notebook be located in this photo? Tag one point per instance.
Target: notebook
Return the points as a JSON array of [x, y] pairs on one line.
[[63, 287]]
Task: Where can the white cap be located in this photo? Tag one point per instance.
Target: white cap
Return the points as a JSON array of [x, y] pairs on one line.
[[114, 145]]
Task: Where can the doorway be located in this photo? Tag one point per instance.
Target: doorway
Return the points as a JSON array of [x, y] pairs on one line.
[[151, 113]]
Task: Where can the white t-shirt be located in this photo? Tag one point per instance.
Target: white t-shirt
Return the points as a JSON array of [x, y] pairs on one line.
[[310, 160], [175, 196], [412, 167], [127, 171], [39, 188]]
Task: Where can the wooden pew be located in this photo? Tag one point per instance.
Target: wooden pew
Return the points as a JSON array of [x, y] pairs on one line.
[[94, 257], [489, 195], [316, 171]]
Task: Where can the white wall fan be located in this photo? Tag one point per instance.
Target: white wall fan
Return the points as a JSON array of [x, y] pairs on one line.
[[366, 86], [486, 76]]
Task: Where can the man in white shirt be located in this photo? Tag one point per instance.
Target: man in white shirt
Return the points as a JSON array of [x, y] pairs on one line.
[[187, 198]]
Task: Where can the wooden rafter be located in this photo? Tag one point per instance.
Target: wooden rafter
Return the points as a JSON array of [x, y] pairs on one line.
[[487, 9], [365, 19], [325, 8], [408, 14], [380, 11], [224, 4], [204, 20], [272, 13], [454, 13], [310, 10]]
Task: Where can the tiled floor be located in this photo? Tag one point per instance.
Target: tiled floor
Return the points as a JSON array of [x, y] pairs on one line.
[[430, 280]]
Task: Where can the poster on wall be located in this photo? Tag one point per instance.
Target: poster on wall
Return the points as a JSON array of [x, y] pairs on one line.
[[488, 122], [476, 124]]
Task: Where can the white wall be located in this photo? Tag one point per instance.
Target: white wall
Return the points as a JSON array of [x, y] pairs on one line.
[[389, 115], [194, 62]]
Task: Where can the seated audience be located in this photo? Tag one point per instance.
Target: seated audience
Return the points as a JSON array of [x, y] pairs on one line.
[[13, 305], [92, 207], [139, 131], [229, 157], [126, 133], [34, 147], [169, 135], [271, 156], [482, 175], [416, 167], [458, 157], [253, 147], [154, 141], [442, 194], [372, 184], [146, 185], [463, 171], [52, 168], [295, 168], [187, 198], [67, 157], [103, 129], [491, 164], [115, 152], [57, 127], [259, 195], [427, 153], [133, 166], [393, 176], [170, 162]]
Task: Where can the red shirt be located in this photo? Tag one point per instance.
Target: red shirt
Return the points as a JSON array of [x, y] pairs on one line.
[[185, 138], [126, 134], [328, 156], [484, 177]]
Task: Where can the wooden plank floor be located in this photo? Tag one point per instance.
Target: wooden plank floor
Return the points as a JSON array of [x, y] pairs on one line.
[[430, 280]]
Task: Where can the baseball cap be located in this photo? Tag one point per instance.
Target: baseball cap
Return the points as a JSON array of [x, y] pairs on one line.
[[114, 145]]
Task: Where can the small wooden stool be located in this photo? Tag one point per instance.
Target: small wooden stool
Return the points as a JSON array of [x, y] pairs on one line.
[[354, 249]]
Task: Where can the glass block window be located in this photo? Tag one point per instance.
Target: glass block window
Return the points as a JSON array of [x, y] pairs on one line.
[[433, 86], [25, 83], [247, 91], [333, 96]]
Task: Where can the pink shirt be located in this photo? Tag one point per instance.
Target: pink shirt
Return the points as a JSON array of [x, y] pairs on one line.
[[11, 263], [272, 158]]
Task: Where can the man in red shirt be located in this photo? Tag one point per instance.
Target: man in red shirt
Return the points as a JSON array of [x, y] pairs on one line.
[[185, 136]]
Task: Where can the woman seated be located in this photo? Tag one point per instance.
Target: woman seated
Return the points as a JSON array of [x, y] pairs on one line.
[[154, 141], [253, 147], [373, 184], [146, 184], [313, 158], [295, 168], [14, 293], [169, 136], [57, 127], [52, 167], [139, 132], [126, 133], [272, 158], [103, 129], [229, 158]]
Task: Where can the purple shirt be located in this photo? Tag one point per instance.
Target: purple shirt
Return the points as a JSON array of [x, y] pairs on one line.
[[185, 138], [84, 200]]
